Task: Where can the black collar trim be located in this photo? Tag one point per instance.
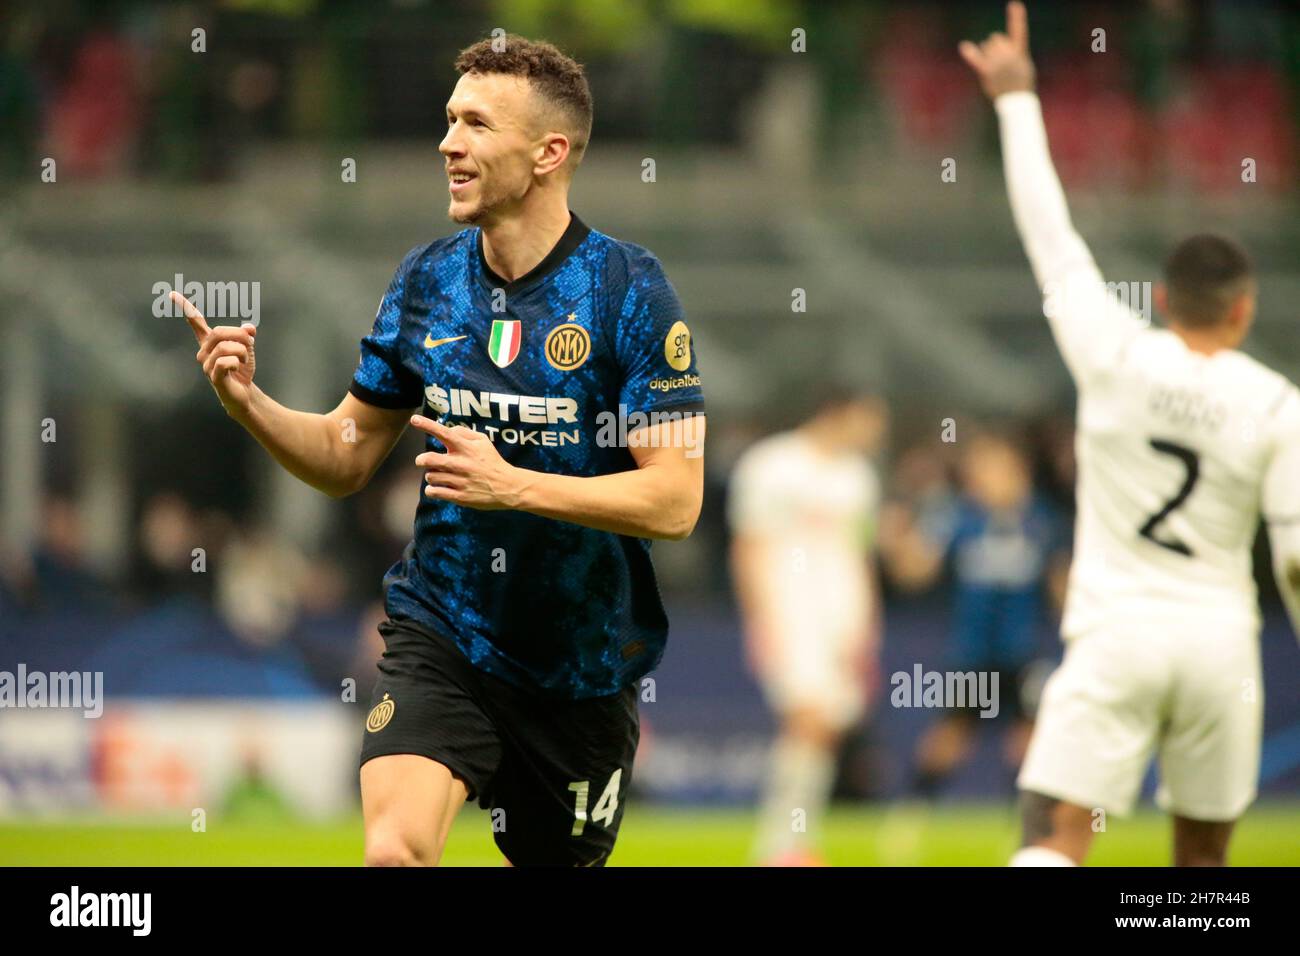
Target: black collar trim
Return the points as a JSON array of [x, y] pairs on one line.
[[573, 236]]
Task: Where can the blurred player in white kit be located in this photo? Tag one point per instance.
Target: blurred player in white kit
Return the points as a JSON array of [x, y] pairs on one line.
[[1182, 442], [802, 509]]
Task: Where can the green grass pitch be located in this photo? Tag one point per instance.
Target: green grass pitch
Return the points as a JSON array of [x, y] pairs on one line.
[[957, 835]]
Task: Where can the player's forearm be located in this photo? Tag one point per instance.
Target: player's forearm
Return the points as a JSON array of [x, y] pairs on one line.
[[751, 561], [875, 595], [1038, 203], [1284, 540], [911, 562], [749, 557], [645, 503], [308, 445]]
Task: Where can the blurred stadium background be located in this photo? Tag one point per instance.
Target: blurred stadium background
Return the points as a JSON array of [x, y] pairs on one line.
[[775, 171]]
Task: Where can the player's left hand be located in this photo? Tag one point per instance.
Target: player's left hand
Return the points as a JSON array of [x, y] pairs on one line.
[[471, 472]]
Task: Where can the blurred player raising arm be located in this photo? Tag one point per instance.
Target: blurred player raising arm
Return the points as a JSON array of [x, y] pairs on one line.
[[1182, 441], [1092, 327], [661, 498], [1089, 326]]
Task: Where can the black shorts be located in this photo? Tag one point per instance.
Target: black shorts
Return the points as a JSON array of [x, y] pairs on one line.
[[554, 772]]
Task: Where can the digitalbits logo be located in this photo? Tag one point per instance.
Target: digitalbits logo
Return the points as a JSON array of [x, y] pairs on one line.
[[677, 346]]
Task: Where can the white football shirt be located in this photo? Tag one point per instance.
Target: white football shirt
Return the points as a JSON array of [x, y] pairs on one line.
[[1177, 451], [817, 514]]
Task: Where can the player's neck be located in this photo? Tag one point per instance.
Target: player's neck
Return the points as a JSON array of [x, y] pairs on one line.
[[514, 245], [1204, 341], [821, 439]]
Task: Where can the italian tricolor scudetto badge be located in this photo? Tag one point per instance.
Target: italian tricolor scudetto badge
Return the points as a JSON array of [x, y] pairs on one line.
[[503, 346]]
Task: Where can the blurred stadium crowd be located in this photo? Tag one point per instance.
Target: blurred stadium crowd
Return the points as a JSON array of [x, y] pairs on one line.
[[108, 88]]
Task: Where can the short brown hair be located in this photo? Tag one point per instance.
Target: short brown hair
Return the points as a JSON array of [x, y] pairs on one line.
[[1204, 275], [558, 79]]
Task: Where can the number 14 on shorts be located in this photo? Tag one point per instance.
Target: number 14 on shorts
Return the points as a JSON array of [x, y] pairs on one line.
[[605, 806]]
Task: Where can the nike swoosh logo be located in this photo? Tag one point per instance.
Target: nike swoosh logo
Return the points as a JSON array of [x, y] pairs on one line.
[[430, 343]]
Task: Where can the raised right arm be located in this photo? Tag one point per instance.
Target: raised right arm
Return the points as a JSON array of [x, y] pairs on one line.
[[1091, 325]]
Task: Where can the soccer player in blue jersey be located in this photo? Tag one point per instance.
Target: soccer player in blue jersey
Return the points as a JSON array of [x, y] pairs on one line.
[[1007, 551], [555, 377]]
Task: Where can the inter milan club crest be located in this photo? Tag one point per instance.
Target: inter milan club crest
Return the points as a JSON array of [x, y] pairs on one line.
[[380, 715], [503, 346], [568, 345]]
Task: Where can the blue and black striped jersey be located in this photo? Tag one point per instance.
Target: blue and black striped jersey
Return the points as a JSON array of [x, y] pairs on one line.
[[557, 367]]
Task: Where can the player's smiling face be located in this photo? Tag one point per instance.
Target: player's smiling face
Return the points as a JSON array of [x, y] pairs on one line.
[[490, 147]]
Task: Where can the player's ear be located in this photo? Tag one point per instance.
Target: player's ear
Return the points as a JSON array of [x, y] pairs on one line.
[[1242, 312], [1161, 295], [551, 154]]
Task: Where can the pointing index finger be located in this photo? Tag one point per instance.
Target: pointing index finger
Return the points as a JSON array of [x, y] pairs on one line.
[[436, 429], [193, 316]]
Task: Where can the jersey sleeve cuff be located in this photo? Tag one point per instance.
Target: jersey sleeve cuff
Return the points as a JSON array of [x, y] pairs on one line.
[[384, 399], [1017, 101], [694, 406]]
